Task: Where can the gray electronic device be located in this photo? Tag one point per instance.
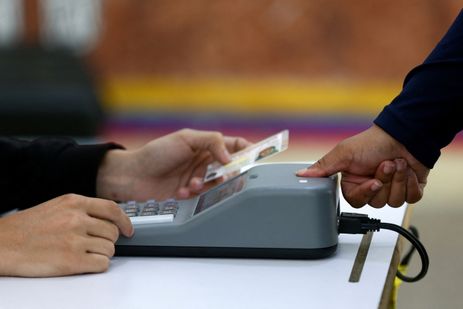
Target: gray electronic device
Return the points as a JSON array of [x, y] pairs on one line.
[[265, 212]]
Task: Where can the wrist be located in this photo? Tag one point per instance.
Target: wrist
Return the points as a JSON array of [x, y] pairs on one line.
[[114, 179]]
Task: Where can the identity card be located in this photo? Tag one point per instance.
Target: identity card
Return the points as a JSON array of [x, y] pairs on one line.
[[244, 159]]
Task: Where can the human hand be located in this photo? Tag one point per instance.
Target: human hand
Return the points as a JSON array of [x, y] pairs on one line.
[[391, 180], [375, 168], [67, 235], [171, 166]]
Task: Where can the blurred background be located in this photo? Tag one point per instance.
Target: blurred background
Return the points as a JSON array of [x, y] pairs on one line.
[[130, 71]]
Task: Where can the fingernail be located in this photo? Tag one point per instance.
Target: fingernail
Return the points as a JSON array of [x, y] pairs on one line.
[[376, 186], [388, 169], [183, 193], [400, 164], [198, 184], [299, 172]]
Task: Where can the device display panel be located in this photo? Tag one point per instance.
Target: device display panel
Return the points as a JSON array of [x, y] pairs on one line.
[[220, 193]]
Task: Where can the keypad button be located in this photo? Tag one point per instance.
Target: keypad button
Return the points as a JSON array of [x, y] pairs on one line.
[[167, 212], [169, 208], [134, 213], [148, 213], [158, 211], [150, 208], [170, 202]]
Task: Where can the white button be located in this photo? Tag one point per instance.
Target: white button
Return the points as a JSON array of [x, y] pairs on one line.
[[152, 219], [303, 181]]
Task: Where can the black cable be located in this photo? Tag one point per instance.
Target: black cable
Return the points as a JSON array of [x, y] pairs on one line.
[[353, 223], [407, 257], [419, 247]]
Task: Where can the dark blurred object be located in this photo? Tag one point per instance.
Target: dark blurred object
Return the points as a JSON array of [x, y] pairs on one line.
[[46, 92]]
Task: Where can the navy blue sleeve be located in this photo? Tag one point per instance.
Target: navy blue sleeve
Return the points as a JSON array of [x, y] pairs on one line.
[[428, 113], [32, 172]]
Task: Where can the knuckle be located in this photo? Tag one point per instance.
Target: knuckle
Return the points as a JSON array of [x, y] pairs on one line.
[[240, 142], [217, 136], [71, 199], [114, 233], [378, 201], [103, 264], [377, 204], [111, 250], [394, 203], [414, 196], [113, 209], [113, 206], [356, 203], [322, 162], [185, 131], [413, 199]]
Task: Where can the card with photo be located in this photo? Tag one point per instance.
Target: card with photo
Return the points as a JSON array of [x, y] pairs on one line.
[[245, 159]]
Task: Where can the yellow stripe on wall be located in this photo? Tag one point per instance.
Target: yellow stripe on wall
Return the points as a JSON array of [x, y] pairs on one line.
[[247, 96]]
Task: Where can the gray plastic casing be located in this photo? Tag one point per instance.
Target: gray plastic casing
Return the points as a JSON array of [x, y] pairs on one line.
[[275, 209]]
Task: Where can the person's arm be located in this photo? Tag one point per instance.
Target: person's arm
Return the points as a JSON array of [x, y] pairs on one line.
[[171, 166], [32, 172], [427, 114], [376, 169], [415, 126], [72, 233], [67, 235]]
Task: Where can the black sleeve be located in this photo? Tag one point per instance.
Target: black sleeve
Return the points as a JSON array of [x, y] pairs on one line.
[[428, 113], [36, 171]]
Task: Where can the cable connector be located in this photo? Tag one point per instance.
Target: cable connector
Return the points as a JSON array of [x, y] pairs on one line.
[[354, 223]]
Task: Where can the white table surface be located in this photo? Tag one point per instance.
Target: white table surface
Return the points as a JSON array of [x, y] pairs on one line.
[[221, 283]]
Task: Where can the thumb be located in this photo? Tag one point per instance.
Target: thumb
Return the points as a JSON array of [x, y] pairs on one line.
[[218, 149], [211, 141], [331, 163]]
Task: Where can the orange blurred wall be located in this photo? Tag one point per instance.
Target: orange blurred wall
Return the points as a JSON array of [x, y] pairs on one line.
[[357, 39]]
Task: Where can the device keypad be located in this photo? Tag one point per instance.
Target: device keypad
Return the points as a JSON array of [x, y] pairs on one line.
[[150, 211]]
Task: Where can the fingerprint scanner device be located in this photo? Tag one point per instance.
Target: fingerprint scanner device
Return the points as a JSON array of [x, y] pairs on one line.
[[265, 212]]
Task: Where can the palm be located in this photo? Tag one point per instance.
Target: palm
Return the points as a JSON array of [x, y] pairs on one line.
[[167, 164], [176, 163]]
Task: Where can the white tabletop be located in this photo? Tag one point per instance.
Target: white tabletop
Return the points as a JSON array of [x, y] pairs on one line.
[[221, 283]]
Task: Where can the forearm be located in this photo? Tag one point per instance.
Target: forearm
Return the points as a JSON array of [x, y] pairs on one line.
[[426, 115], [35, 171], [114, 179]]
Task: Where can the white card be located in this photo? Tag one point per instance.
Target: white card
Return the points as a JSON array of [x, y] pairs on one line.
[[244, 159]]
